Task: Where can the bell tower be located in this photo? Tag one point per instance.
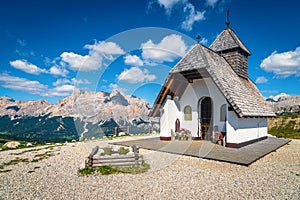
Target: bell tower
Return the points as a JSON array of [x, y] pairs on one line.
[[229, 45]]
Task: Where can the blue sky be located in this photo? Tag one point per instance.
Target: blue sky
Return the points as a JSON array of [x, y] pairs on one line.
[[47, 48]]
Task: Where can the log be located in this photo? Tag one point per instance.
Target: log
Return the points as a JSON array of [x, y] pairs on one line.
[[115, 160], [94, 151], [116, 164], [115, 157]]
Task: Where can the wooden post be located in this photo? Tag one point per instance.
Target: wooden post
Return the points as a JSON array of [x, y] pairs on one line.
[[94, 151], [136, 156]]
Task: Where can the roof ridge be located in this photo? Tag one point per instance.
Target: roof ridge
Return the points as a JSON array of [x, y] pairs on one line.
[[238, 40]]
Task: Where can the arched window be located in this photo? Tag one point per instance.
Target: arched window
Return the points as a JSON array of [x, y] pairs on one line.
[[223, 113], [187, 113]]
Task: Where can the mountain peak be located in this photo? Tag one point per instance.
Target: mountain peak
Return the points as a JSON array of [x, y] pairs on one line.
[[278, 97], [7, 98]]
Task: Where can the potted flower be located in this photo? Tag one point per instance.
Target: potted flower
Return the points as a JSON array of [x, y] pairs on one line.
[[185, 134]]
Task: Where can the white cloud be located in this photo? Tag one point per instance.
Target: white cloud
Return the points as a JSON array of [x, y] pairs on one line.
[[23, 43], [92, 61], [60, 91], [73, 81], [21, 84], [192, 17], [77, 62], [170, 48], [204, 41], [113, 86], [211, 3], [105, 47], [169, 4], [58, 71], [136, 75], [34, 87], [261, 80], [283, 64], [80, 81], [133, 60], [27, 67]]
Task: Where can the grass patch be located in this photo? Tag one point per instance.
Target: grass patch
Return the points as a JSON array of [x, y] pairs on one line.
[[13, 162], [106, 170], [42, 156], [286, 126], [109, 150]]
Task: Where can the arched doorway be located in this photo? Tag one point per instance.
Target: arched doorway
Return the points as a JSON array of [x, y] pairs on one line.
[[205, 113]]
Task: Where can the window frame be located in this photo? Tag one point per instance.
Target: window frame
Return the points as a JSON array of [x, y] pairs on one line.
[[187, 111], [223, 114]]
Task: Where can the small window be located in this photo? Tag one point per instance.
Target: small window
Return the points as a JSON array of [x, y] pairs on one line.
[[188, 113], [223, 113]]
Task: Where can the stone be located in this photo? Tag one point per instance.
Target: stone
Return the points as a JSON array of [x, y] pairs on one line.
[[115, 148], [12, 144], [82, 166], [122, 134], [29, 144]]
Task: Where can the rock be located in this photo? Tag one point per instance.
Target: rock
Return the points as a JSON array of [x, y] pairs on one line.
[[12, 144], [29, 144], [122, 134], [82, 166], [115, 148]]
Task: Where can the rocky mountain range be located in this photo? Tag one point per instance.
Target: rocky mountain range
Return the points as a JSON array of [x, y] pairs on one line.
[[284, 103], [91, 114]]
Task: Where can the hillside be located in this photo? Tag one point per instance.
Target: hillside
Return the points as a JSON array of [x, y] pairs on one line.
[[287, 126]]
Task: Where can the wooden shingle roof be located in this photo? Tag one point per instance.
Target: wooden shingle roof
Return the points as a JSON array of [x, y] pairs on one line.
[[240, 93], [228, 40]]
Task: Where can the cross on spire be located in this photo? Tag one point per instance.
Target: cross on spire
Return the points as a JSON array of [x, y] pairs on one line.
[[198, 38], [227, 18]]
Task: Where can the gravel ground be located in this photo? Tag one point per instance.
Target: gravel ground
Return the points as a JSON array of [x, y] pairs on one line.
[[276, 176]]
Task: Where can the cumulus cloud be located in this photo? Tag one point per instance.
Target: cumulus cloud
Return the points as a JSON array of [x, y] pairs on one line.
[[106, 48], [34, 87], [92, 61], [133, 60], [192, 16], [188, 10], [169, 4], [261, 80], [21, 84], [114, 86], [73, 81], [27, 67], [60, 91], [211, 3], [283, 64], [58, 71], [168, 49], [136, 75]]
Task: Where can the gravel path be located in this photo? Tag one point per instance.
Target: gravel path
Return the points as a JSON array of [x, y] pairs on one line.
[[54, 176]]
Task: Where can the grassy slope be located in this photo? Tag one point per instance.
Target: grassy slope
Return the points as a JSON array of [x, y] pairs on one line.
[[286, 126]]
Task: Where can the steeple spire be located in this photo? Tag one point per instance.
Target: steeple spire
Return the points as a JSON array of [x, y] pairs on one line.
[[227, 19]]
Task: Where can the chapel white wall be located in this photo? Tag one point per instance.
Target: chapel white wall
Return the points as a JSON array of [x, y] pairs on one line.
[[195, 91], [169, 114], [245, 129]]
